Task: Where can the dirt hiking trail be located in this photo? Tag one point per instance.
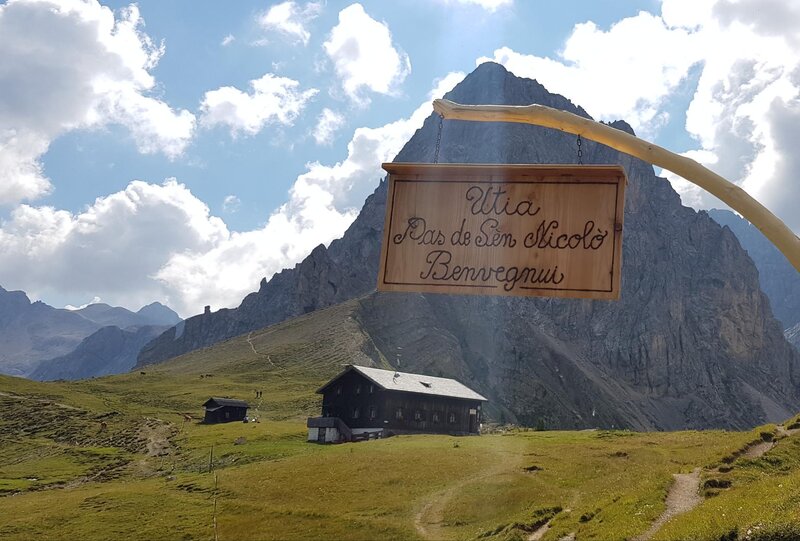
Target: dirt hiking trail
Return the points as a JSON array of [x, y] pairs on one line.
[[683, 496]]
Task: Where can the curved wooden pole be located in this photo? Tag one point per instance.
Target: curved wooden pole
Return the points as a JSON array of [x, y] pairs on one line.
[[757, 214]]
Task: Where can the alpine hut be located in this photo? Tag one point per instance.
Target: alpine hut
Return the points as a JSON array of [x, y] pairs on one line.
[[224, 410], [363, 402]]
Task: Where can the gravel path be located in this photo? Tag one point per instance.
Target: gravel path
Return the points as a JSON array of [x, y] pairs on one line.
[[683, 496], [757, 450]]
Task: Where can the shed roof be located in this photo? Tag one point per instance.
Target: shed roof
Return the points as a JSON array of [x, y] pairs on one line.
[[391, 380], [214, 403]]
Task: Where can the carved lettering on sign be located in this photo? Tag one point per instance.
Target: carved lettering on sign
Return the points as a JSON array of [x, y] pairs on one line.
[[503, 230]]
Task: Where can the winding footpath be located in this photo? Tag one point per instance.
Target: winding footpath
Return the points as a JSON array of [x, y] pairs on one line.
[[684, 494]]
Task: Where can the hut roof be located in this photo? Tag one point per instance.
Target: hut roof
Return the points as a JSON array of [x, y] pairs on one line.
[[391, 380], [216, 403]]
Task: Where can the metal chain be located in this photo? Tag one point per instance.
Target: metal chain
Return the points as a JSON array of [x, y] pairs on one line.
[[438, 140], [580, 151]]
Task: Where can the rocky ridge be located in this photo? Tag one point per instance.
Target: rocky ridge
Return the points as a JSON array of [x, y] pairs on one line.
[[793, 336], [778, 278]]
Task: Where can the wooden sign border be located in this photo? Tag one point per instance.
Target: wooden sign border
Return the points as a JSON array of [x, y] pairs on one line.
[[510, 173]]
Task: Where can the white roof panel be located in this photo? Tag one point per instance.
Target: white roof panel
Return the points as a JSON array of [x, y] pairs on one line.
[[417, 383]]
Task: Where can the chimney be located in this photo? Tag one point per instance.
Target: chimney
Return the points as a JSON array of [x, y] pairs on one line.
[[207, 310]]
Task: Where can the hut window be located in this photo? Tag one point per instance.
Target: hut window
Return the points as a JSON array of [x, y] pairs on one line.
[[356, 413], [435, 417], [371, 389], [418, 415], [452, 417], [398, 413], [373, 412], [358, 389], [339, 389]]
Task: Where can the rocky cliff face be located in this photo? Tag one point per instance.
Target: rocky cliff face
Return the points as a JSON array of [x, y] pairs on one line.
[[692, 342], [793, 336], [778, 278]]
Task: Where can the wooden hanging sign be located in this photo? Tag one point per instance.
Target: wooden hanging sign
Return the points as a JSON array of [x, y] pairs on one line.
[[519, 230]]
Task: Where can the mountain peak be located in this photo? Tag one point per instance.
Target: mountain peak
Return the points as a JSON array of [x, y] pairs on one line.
[[159, 314], [12, 299], [492, 84], [490, 67]]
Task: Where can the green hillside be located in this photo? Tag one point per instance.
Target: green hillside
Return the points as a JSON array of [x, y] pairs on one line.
[[125, 457]]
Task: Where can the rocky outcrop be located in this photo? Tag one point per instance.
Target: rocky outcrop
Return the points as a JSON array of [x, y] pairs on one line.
[[344, 270], [778, 278], [110, 350], [793, 336], [691, 343]]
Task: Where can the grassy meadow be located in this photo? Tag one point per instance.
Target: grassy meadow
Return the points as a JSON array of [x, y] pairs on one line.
[[125, 457]]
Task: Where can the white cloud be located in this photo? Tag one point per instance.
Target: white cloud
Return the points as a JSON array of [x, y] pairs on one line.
[[227, 40], [328, 123], [290, 19], [69, 65], [766, 17], [160, 242], [113, 249], [272, 99], [231, 203], [747, 61], [605, 73], [363, 56], [94, 300], [323, 202], [488, 5], [351, 180]]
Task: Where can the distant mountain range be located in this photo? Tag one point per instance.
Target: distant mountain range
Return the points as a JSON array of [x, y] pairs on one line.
[[778, 278], [36, 338], [109, 350], [152, 314], [691, 344]]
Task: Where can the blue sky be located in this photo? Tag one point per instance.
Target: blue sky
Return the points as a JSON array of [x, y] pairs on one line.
[[176, 151], [257, 169]]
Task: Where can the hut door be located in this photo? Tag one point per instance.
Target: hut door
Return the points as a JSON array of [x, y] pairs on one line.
[[473, 421], [321, 435]]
